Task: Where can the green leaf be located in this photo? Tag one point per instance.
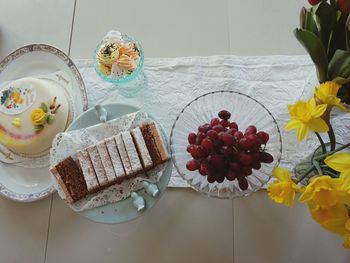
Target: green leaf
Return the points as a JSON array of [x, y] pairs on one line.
[[43, 107], [326, 18], [341, 80], [347, 33], [314, 47], [50, 119], [310, 23], [339, 66], [338, 36], [38, 128]]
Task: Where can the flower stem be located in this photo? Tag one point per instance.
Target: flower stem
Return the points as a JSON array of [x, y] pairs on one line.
[[331, 174], [307, 173], [318, 167], [322, 142], [318, 158], [332, 137]]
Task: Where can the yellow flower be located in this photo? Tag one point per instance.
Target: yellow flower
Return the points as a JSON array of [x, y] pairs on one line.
[[306, 116], [326, 192], [333, 218], [339, 162], [284, 190], [327, 94], [38, 116], [346, 243]]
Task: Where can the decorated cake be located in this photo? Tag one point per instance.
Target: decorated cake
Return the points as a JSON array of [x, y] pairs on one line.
[[111, 161], [32, 112]]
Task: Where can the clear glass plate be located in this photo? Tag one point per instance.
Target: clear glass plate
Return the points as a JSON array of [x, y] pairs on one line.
[[245, 111]]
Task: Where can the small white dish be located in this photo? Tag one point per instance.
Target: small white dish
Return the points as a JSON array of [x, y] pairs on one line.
[[30, 184]]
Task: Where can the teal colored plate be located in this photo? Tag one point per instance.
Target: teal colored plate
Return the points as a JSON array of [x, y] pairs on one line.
[[124, 210]]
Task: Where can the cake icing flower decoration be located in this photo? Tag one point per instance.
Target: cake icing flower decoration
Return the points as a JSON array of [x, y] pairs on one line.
[[38, 116], [44, 114], [16, 122]]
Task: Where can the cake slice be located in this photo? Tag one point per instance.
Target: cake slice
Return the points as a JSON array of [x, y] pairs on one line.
[[142, 150], [133, 155], [115, 158], [106, 162], [123, 155], [71, 180], [154, 143], [98, 166], [88, 170]]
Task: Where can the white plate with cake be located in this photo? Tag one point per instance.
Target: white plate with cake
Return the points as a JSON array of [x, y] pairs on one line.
[[38, 84], [96, 167]]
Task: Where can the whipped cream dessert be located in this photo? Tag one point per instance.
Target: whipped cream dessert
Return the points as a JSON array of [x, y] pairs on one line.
[[117, 57]]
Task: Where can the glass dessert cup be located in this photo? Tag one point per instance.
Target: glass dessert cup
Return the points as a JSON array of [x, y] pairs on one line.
[[128, 85], [245, 111]]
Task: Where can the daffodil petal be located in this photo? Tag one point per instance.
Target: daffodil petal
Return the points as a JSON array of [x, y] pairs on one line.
[[302, 131], [318, 125], [339, 162], [319, 110], [306, 195], [312, 103], [281, 174], [292, 124]]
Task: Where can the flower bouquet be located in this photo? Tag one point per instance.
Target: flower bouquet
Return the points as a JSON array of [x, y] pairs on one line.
[[323, 180], [324, 183], [325, 34]]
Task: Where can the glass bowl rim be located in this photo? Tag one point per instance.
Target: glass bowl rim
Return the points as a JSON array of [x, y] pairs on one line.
[[125, 78], [173, 158]]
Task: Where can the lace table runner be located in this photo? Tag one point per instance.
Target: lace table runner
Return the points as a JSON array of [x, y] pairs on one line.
[[275, 81]]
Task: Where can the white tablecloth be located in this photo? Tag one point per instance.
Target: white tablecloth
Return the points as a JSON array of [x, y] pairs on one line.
[[275, 81]]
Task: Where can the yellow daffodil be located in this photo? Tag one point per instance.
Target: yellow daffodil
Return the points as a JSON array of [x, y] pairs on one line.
[[284, 190], [306, 116], [339, 162], [333, 218], [346, 243], [327, 94], [326, 192]]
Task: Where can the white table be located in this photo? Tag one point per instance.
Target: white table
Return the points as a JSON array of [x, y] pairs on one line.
[[184, 226]]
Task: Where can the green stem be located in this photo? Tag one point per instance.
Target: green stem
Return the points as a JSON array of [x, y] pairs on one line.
[[332, 137], [318, 158], [331, 174], [307, 173], [318, 167], [322, 142]]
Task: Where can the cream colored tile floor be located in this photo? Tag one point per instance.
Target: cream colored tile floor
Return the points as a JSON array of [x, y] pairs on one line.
[[184, 226]]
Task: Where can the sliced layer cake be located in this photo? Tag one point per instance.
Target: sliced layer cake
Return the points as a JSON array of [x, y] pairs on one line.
[[111, 161], [71, 180]]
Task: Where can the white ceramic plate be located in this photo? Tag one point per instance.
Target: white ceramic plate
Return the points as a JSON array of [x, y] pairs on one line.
[[31, 184]]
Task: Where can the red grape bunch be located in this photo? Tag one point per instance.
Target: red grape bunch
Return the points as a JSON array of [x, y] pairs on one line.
[[220, 150]]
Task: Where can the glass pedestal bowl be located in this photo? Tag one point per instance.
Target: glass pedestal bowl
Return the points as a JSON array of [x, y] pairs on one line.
[[128, 85], [245, 111]]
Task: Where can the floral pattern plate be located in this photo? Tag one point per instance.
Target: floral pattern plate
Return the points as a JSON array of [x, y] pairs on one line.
[[30, 184]]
